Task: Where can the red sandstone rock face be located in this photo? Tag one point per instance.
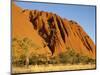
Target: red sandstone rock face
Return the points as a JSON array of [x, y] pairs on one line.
[[59, 34]]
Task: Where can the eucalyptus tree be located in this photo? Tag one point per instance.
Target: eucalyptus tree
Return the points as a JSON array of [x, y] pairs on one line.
[[25, 44]]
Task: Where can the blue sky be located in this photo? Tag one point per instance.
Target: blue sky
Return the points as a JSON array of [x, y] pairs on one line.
[[84, 15]]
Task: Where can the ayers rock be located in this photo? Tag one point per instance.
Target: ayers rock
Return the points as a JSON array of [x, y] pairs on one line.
[[51, 32]]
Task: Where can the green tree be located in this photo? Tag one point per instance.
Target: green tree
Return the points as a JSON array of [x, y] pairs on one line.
[[25, 44]]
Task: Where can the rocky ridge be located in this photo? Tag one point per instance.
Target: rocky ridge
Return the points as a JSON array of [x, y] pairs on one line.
[[53, 33]]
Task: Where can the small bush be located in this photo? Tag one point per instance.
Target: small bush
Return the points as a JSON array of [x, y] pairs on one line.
[[53, 60], [38, 59], [73, 57], [19, 61]]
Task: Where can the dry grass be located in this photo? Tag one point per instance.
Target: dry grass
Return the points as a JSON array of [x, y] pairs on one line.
[[46, 68]]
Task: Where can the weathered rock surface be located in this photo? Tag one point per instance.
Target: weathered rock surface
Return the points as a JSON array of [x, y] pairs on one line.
[[50, 30]]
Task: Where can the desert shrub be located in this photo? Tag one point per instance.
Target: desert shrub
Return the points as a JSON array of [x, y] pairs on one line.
[[73, 57], [92, 61], [42, 59], [18, 61], [64, 57], [69, 56], [21, 61], [83, 59], [38, 59], [86, 60], [33, 60], [53, 60]]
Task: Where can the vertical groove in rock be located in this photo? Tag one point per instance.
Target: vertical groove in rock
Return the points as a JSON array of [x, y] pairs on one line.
[[59, 33], [61, 30]]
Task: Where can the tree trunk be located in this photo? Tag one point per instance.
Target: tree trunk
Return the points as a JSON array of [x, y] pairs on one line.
[[27, 61]]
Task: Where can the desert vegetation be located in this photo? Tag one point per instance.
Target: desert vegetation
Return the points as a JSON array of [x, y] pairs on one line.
[[22, 58], [21, 50], [68, 57]]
